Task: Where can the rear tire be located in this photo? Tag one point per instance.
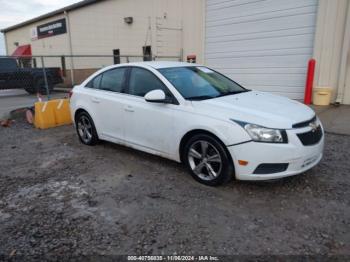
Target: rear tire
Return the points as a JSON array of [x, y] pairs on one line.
[[207, 160], [85, 128]]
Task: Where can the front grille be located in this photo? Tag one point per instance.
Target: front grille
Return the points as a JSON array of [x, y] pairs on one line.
[[312, 137], [264, 169], [304, 123]]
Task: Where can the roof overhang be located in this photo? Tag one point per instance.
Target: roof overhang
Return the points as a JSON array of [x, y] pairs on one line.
[[53, 13]]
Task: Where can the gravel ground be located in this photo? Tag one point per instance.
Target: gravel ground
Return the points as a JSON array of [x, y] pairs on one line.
[[62, 199]]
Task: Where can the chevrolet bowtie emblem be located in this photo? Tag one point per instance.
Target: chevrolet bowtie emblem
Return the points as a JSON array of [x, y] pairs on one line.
[[313, 126]]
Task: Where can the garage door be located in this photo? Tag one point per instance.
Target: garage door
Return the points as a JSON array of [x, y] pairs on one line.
[[262, 44]]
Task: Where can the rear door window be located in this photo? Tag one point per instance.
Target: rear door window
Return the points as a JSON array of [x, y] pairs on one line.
[[95, 83], [113, 80]]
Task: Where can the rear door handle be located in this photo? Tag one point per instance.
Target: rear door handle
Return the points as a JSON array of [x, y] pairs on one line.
[[129, 109], [95, 100]]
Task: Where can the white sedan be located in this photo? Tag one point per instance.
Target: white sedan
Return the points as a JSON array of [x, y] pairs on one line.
[[192, 114]]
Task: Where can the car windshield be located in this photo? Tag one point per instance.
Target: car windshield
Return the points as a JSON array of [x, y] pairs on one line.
[[200, 83]]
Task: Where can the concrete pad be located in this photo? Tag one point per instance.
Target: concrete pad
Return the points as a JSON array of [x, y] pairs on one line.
[[12, 92], [17, 98], [335, 119]]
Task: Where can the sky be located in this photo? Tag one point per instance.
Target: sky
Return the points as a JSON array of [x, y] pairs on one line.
[[15, 11]]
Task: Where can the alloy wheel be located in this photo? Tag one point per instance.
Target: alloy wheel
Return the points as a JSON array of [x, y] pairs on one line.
[[205, 160], [85, 129]]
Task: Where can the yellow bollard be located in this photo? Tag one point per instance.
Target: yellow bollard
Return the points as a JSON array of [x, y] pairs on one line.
[[44, 115], [62, 112], [52, 113]]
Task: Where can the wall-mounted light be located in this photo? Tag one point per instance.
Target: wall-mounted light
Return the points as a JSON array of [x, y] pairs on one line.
[[129, 20]]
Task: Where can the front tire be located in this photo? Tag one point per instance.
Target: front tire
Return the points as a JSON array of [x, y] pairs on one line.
[[207, 160], [85, 128]]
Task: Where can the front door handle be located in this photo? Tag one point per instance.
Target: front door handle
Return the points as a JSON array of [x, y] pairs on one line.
[[129, 109], [95, 100]]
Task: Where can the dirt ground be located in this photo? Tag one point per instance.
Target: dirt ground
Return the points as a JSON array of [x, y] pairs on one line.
[[61, 198]]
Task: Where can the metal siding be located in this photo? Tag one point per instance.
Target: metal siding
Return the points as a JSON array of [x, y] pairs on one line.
[[346, 99], [262, 44], [99, 28], [330, 46]]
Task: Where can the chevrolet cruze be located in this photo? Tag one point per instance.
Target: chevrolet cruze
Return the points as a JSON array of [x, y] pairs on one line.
[[192, 114]]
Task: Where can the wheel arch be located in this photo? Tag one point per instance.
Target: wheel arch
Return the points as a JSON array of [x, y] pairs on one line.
[[194, 132], [78, 111]]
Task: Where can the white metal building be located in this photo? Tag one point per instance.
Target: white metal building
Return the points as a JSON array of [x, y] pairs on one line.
[[101, 26], [111, 27], [263, 44]]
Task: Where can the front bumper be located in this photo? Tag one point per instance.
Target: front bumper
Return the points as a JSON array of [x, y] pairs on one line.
[[298, 157]]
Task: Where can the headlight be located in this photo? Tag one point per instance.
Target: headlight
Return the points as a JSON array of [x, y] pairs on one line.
[[264, 134]]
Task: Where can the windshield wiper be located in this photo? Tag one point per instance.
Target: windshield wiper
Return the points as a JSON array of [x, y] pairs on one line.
[[210, 97], [233, 93], [200, 97]]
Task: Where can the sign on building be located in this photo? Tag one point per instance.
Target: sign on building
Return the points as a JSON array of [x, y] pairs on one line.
[[33, 33], [53, 28]]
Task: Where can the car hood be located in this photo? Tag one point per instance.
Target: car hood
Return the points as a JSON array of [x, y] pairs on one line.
[[257, 108]]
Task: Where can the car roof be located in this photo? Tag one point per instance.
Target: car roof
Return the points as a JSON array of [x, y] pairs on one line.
[[162, 64]]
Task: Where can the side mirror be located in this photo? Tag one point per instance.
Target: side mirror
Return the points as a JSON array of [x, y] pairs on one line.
[[156, 96]]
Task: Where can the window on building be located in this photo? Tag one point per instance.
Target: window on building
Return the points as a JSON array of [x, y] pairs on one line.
[[147, 53], [116, 58]]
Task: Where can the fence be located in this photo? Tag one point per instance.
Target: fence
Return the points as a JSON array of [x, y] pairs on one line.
[[41, 74]]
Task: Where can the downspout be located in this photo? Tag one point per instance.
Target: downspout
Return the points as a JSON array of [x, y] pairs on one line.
[[204, 31], [6, 46], [70, 48], [344, 59]]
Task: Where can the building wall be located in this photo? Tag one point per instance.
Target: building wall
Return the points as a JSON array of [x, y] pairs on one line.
[[45, 46], [233, 27], [344, 77], [169, 26], [346, 93], [331, 48]]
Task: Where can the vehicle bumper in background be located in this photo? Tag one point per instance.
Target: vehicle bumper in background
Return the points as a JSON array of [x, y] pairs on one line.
[[298, 157]]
